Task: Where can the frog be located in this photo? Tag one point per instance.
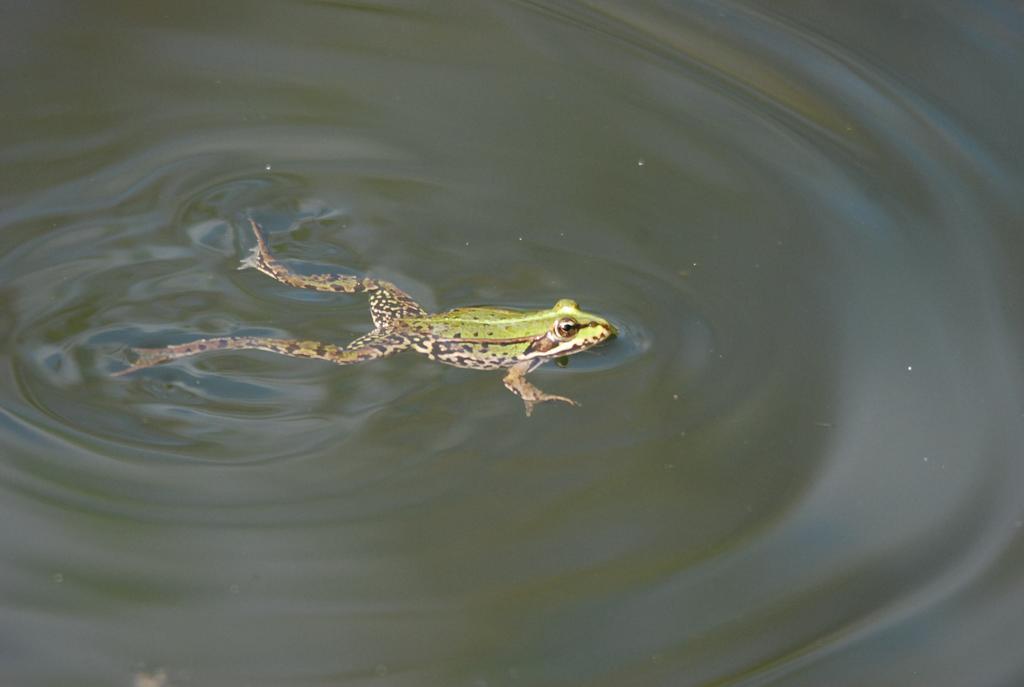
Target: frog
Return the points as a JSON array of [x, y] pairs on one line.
[[473, 337]]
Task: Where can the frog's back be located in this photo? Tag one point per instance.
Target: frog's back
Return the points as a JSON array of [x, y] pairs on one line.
[[483, 323], [482, 338]]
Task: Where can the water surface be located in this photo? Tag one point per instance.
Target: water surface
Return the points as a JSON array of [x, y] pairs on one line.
[[799, 464]]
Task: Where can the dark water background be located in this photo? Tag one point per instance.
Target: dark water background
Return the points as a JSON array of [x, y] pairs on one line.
[[799, 465]]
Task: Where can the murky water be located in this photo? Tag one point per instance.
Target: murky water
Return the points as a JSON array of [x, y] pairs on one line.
[[800, 464]]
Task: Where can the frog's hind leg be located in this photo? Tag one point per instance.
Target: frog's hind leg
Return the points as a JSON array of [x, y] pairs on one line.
[[263, 260], [387, 302], [515, 381], [376, 344]]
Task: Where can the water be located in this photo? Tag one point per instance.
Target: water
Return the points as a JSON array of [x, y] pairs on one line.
[[799, 464]]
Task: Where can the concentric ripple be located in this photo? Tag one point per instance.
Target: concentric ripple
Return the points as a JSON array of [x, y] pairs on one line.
[[797, 464]]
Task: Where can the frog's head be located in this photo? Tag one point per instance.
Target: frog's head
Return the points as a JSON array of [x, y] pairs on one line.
[[568, 330]]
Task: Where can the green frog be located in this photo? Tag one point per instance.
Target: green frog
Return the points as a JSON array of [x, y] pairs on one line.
[[479, 338]]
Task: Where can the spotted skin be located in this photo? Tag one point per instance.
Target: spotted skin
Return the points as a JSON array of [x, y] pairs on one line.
[[368, 347], [478, 338]]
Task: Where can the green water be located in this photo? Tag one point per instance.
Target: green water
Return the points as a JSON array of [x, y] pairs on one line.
[[799, 464]]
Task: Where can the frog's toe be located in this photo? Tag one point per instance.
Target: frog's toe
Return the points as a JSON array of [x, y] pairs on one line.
[[144, 357], [531, 402], [250, 260]]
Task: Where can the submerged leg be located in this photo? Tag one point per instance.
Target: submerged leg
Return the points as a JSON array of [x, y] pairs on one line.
[[373, 345], [515, 381]]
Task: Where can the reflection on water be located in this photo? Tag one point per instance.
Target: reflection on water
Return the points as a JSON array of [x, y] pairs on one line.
[[797, 465]]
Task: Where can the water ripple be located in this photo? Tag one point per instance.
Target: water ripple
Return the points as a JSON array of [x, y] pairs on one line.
[[799, 454]]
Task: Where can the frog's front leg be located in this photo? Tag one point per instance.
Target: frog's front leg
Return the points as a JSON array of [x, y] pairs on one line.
[[515, 381], [376, 344]]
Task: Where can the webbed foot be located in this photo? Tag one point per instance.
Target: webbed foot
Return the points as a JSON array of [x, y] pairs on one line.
[[515, 381], [145, 357], [251, 260]]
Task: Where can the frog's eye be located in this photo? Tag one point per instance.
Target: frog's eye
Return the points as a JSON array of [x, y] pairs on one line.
[[566, 327]]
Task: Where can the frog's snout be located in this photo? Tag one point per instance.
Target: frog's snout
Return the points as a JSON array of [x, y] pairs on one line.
[[610, 331]]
